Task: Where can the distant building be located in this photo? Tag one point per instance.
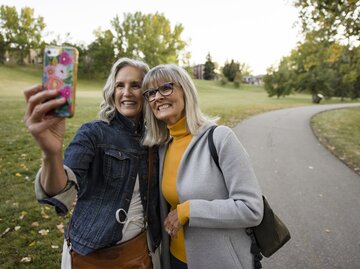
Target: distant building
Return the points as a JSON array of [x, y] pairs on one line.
[[199, 71], [256, 80], [34, 57]]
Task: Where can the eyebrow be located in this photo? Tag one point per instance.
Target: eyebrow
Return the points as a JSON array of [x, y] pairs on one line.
[[131, 82]]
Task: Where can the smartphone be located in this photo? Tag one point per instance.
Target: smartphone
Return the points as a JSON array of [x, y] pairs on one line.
[[60, 73]]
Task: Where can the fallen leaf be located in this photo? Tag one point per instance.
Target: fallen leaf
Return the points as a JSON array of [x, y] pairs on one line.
[[22, 214], [17, 228], [35, 224], [43, 214], [44, 232], [5, 232], [32, 244], [18, 175], [26, 260]]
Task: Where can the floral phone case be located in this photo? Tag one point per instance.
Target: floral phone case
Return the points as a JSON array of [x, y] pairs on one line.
[[60, 73]]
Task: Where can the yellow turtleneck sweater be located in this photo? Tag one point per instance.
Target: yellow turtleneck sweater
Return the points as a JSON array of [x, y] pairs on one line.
[[174, 153]]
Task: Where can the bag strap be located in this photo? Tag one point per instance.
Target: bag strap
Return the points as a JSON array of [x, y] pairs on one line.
[[255, 251], [212, 147]]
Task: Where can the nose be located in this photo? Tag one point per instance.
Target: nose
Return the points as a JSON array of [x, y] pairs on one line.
[[127, 90], [158, 96]]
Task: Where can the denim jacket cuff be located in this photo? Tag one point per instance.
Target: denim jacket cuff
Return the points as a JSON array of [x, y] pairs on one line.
[[64, 200]]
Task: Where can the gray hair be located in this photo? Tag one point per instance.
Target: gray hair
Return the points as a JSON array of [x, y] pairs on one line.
[[107, 106], [157, 132]]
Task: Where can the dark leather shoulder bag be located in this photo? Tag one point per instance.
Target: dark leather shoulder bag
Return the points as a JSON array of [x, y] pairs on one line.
[[271, 234]]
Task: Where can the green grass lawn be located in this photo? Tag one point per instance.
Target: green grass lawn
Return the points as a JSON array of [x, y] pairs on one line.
[[339, 131], [30, 231]]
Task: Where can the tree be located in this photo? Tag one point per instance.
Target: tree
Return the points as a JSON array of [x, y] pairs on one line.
[[2, 49], [313, 69], [150, 38], [238, 79], [317, 67], [20, 32], [209, 70], [230, 70], [279, 82], [101, 53], [330, 18], [347, 72], [323, 62], [355, 91]]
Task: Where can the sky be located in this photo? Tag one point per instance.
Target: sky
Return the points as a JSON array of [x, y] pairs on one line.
[[255, 32]]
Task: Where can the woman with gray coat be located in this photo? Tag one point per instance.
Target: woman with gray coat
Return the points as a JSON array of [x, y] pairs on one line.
[[205, 212]]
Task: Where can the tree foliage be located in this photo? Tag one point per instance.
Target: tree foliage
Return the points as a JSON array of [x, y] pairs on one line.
[[19, 32], [322, 63], [231, 69], [317, 67], [148, 37], [330, 18], [100, 54], [279, 82], [209, 70], [2, 49]]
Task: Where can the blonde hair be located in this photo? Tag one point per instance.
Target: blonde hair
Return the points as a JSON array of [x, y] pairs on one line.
[[107, 106], [157, 132]]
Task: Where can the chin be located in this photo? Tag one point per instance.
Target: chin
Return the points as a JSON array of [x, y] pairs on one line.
[[162, 117]]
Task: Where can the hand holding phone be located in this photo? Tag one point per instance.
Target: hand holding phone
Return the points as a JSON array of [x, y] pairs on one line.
[[60, 73]]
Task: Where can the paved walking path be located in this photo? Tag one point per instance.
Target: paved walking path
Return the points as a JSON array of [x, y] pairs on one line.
[[315, 194]]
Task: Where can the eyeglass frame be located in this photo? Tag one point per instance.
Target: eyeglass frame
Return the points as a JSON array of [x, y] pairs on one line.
[[158, 90]]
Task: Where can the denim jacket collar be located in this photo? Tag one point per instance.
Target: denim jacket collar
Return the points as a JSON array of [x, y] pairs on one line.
[[128, 123]]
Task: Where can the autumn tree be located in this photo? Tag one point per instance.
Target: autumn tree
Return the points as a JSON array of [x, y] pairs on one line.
[[149, 37], [331, 20], [20, 32], [279, 82], [323, 62]]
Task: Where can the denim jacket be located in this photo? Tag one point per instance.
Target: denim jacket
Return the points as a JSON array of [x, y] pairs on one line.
[[106, 159]]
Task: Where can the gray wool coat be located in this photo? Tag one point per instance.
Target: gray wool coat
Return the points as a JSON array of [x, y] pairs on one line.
[[221, 206]]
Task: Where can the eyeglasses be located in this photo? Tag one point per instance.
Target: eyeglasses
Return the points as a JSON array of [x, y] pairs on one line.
[[165, 90]]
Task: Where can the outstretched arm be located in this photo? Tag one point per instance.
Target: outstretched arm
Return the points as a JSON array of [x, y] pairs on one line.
[[48, 131]]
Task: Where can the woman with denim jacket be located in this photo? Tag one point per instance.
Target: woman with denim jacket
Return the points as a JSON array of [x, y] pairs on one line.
[[205, 212], [104, 168]]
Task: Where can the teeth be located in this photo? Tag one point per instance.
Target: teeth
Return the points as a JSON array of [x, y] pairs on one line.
[[163, 107], [128, 102]]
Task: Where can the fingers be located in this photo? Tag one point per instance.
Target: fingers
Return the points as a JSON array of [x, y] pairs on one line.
[[41, 102], [172, 232], [43, 125], [32, 91], [172, 224]]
